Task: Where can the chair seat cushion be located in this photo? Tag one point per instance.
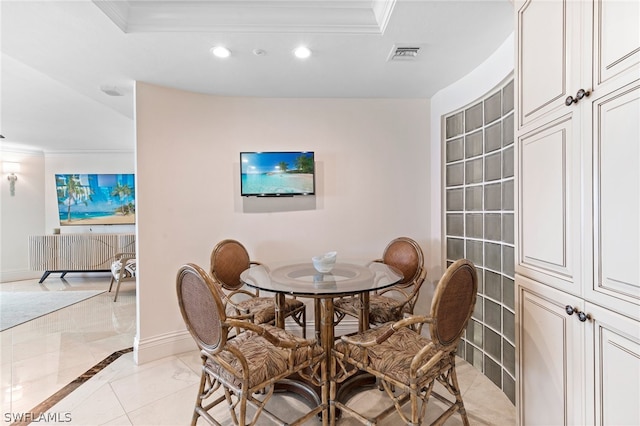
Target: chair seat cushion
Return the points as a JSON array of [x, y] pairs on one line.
[[129, 268], [264, 308], [382, 309], [393, 356], [264, 359]]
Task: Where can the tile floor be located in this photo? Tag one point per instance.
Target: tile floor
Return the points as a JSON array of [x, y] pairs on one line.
[[44, 361]]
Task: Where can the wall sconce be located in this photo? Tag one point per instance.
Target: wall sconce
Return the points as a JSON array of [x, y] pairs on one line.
[[12, 168]]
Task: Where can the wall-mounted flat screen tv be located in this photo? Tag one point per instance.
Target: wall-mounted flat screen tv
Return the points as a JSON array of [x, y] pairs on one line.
[[277, 174], [96, 199]]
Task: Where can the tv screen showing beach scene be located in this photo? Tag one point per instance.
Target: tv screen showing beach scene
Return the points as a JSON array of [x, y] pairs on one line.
[[96, 199], [272, 174]]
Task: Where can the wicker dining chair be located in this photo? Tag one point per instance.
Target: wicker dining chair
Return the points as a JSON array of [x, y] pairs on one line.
[[393, 303], [407, 364], [236, 367], [228, 259]]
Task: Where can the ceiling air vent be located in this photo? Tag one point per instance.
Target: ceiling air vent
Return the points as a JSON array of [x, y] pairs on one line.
[[112, 90], [403, 53]]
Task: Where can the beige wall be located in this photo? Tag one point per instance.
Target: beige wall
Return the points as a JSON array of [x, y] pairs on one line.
[[373, 162], [21, 214]]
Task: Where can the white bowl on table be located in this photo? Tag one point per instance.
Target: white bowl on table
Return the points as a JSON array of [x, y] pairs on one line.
[[325, 262]]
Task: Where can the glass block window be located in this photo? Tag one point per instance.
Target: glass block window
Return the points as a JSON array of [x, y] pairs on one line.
[[479, 199]]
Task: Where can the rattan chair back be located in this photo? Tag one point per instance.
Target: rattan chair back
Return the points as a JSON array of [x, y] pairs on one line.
[[392, 303], [453, 303], [201, 307], [240, 370], [407, 364], [405, 255], [228, 259]]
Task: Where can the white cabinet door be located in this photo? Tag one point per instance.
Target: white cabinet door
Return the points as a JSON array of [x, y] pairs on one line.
[[613, 346], [616, 50], [548, 205], [616, 201], [548, 61], [550, 356], [578, 212]]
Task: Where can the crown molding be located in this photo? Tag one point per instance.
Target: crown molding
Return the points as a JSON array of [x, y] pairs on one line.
[[250, 16], [117, 11], [16, 148], [67, 152]]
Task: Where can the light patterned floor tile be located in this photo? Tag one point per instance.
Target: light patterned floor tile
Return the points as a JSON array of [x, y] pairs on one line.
[[160, 392], [152, 384]]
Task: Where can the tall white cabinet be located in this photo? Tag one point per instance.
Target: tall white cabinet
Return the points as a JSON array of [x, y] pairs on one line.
[[578, 212]]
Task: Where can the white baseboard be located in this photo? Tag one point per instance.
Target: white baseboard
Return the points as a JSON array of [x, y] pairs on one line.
[[162, 346], [18, 275]]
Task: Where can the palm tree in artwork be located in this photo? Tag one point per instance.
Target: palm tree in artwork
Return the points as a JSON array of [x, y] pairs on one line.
[[283, 166], [304, 164], [123, 192], [72, 192]]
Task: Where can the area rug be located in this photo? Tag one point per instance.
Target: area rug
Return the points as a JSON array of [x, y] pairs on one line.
[[17, 307]]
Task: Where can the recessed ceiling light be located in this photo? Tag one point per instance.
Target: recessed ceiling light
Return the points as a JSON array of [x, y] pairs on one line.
[[302, 52], [221, 52]]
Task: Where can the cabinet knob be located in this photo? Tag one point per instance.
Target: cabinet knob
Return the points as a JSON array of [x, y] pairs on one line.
[[581, 94], [581, 315]]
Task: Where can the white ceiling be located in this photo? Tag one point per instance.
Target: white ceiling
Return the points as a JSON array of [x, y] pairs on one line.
[[56, 55]]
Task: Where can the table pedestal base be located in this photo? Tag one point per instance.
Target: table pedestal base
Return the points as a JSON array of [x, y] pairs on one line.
[[353, 385], [295, 385], [311, 393]]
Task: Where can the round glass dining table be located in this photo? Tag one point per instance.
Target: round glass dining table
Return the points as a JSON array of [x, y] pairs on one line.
[[300, 279]]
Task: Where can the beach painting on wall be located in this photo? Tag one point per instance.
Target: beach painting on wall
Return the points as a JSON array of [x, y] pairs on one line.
[[96, 199]]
